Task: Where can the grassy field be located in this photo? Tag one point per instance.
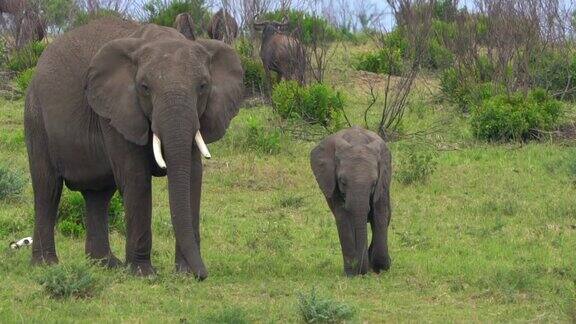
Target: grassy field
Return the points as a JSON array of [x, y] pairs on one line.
[[491, 236]]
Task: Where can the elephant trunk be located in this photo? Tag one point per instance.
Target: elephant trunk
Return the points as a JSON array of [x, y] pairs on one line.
[[359, 206], [177, 136]]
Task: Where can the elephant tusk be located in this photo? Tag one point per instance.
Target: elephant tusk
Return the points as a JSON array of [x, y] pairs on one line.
[[202, 146], [157, 148]]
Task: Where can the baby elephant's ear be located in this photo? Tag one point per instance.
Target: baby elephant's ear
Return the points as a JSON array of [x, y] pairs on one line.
[[322, 161], [185, 25], [111, 89], [382, 190]]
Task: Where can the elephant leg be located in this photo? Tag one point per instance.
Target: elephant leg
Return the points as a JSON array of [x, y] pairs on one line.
[[378, 251], [97, 237], [347, 240], [195, 195], [132, 175], [46, 184]]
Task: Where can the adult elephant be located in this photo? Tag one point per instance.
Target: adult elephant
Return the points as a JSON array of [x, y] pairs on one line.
[[112, 103], [28, 24], [223, 27]]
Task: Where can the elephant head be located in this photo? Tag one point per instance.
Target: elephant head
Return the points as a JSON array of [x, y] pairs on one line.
[[352, 168], [158, 85]]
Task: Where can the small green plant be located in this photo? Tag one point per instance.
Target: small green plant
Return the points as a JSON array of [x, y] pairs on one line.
[[261, 138], [416, 162], [315, 104], [26, 57], [516, 116], [386, 61], [11, 183], [72, 211], [556, 72], [24, 78], [254, 75], [316, 309], [74, 280]]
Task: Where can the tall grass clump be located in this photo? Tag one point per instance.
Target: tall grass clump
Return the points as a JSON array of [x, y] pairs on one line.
[[316, 309], [24, 78], [26, 57], [384, 61], [314, 104], [65, 281], [11, 183]]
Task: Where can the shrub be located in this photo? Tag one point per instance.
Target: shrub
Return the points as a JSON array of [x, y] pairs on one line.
[[26, 57], [254, 75], [244, 47], [386, 60], [306, 24], [314, 309], [556, 72], [464, 90], [72, 211], [315, 104], [11, 183], [24, 78], [416, 163], [262, 139], [3, 52], [64, 281], [516, 116], [164, 13]]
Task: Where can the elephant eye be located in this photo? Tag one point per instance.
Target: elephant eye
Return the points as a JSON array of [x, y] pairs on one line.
[[145, 88], [203, 87]]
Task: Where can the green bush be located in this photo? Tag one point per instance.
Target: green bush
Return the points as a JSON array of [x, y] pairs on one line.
[[556, 72], [515, 116], [416, 163], [261, 138], [316, 309], [26, 57], [254, 75], [11, 183], [315, 104], [462, 88], [84, 17], [306, 24], [386, 61], [64, 281], [164, 13], [72, 211], [3, 52], [24, 78]]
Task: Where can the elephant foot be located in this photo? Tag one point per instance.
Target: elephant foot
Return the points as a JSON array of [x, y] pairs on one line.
[[381, 264], [110, 261], [183, 267], [143, 269], [44, 258]]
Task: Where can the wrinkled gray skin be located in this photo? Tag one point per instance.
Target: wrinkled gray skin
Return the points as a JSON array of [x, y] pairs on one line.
[[27, 21], [223, 27], [99, 93], [281, 53], [353, 169]]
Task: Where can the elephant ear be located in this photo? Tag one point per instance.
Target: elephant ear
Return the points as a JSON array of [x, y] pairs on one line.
[[226, 92], [382, 189], [185, 25], [111, 88], [322, 161]]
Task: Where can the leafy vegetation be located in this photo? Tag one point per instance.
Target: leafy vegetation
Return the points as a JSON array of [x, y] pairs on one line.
[[164, 13], [316, 309], [64, 281], [515, 116], [307, 25], [314, 104], [24, 78], [416, 163], [385, 61], [26, 57], [11, 183]]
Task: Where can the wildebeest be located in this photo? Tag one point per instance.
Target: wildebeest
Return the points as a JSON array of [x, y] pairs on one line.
[[223, 27], [281, 53], [28, 25]]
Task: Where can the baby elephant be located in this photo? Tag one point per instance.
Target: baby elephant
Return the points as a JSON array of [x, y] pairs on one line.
[[353, 169]]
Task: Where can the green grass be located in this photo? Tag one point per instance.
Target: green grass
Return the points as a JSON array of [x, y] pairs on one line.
[[490, 236]]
